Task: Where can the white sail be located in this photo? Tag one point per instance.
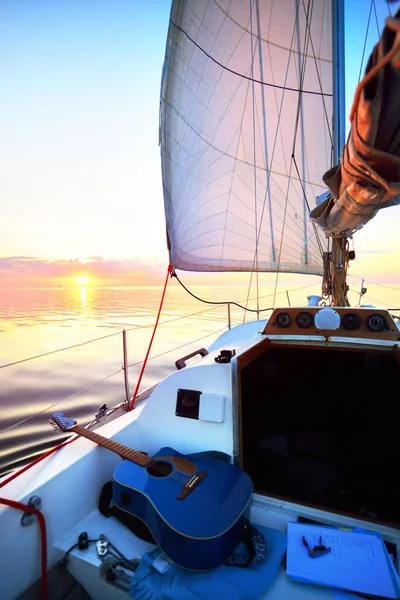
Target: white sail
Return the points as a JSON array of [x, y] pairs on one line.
[[245, 133]]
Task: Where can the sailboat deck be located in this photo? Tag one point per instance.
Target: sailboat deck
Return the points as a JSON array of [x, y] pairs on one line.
[[270, 512], [61, 586]]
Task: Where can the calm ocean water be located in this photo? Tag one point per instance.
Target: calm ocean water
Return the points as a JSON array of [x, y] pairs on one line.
[[61, 349]]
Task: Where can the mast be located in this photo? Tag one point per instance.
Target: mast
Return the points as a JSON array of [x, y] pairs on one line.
[[339, 107], [339, 256]]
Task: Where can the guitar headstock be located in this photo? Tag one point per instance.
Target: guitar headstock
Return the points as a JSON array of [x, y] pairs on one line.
[[59, 421]]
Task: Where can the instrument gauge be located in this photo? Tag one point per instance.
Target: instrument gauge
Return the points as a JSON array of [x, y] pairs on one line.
[[283, 319], [377, 323], [352, 321], [304, 320]]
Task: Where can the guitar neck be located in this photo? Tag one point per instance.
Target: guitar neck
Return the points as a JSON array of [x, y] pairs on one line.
[[123, 451]]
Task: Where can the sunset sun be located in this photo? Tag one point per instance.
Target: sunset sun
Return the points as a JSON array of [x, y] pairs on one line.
[[82, 280]]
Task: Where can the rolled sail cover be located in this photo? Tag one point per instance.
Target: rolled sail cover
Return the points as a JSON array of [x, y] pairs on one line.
[[368, 178]]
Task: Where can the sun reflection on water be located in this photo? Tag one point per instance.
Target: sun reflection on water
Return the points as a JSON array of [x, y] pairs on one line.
[[82, 292]]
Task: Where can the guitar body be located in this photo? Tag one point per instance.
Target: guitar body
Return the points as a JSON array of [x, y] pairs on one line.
[[194, 507]]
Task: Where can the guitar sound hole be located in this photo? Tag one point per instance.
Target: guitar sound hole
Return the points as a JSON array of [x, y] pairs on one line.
[[160, 468]]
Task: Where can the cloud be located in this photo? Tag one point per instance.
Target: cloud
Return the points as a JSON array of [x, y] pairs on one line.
[[95, 266]]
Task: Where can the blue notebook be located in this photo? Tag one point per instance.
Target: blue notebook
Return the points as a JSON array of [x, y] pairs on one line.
[[358, 560]]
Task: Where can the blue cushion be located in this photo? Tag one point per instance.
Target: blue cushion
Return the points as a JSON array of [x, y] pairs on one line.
[[235, 583]]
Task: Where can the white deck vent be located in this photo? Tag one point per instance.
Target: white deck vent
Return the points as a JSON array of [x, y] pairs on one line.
[[212, 408]]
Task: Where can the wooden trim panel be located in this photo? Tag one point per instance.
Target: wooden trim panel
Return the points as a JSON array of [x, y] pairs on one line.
[[390, 332]]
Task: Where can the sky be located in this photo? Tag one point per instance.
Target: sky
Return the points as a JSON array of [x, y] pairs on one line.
[[80, 173]]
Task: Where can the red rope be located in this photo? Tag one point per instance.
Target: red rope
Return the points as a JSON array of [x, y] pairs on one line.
[[30, 509], [25, 507], [34, 462], [170, 270], [43, 537]]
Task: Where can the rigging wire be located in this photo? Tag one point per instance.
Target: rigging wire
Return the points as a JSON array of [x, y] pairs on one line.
[[315, 228], [74, 395], [365, 39], [300, 90], [129, 328], [203, 337], [265, 83], [17, 362], [314, 56], [376, 20], [224, 302], [300, 114], [269, 163], [257, 230]]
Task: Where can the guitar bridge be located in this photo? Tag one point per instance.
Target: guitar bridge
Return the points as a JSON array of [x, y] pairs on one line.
[[191, 484]]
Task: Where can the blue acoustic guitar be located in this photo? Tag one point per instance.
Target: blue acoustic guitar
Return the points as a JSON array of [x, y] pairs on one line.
[[195, 508]]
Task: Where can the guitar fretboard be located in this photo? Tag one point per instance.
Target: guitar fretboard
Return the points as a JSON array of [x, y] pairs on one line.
[[133, 455]]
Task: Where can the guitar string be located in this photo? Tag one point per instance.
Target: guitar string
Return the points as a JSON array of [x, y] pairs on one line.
[[157, 465], [179, 476], [166, 470]]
